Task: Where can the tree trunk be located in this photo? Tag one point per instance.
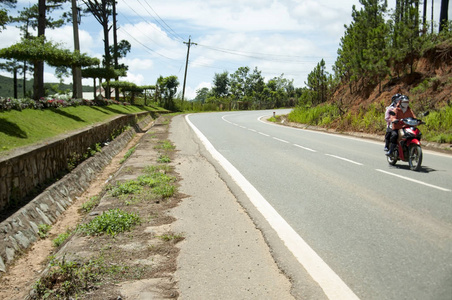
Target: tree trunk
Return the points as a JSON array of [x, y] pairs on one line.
[[25, 79], [38, 82], [15, 82], [106, 46], [76, 71], [424, 18], [443, 16]]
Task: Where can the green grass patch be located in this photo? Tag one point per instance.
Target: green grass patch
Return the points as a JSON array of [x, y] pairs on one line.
[[156, 182], [128, 154], [111, 222], [43, 230], [322, 115], [90, 204], [163, 159], [165, 145], [126, 188], [61, 238], [69, 279], [22, 128], [438, 127], [171, 237]]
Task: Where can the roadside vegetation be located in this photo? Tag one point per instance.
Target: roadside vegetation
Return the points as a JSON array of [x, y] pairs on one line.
[[438, 127], [29, 126], [133, 206]]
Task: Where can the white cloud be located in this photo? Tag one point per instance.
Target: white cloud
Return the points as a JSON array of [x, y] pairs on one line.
[[9, 36], [276, 36]]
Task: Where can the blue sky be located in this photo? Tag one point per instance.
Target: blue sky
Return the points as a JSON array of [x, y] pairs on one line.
[[277, 36]]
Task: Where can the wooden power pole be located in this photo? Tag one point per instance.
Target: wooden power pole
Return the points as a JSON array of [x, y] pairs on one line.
[[186, 66]]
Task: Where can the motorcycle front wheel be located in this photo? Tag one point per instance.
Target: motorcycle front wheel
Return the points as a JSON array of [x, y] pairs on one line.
[[392, 159], [415, 157]]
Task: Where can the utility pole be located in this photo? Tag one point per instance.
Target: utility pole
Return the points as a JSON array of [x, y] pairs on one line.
[[186, 66]]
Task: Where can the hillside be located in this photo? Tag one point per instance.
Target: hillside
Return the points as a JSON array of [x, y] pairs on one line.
[[429, 87], [7, 87]]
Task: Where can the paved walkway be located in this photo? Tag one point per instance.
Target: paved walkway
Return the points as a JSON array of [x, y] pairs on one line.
[[224, 255]]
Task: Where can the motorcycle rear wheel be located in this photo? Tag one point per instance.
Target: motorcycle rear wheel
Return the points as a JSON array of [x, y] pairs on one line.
[[415, 157]]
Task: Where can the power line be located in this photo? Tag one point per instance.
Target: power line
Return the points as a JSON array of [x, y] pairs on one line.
[[177, 36], [146, 47]]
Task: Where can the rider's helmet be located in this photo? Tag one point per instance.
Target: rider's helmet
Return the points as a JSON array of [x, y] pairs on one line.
[[395, 99], [404, 101]]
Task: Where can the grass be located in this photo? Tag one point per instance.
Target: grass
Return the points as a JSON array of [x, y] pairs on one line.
[[438, 126], [43, 230], [318, 115], [165, 145], [22, 128], [163, 159], [61, 238], [128, 154], [111, 222], [90, 204], [68, 279]]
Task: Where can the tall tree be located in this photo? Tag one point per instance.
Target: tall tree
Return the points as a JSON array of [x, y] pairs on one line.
[[102, 10], [406, 43], [42, 24], [239, 83], [13, 67], [4, 18], [167, 89], [443, 16], [220, 86]]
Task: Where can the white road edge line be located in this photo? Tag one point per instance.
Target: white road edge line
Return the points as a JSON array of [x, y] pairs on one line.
[[309, 149], [328, 280], [414, 180], [342, 158], [281, 140]]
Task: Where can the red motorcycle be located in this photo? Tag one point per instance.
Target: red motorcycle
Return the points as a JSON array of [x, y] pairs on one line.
[[408, 144]]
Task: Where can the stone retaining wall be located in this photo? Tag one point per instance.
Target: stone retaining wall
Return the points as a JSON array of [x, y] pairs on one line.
[[23, 171], [20, 230]]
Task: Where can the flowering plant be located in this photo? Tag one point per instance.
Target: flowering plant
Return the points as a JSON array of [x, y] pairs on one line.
[[7, 104]]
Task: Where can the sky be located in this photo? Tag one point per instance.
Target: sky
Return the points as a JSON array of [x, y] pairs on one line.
[[279, 37]]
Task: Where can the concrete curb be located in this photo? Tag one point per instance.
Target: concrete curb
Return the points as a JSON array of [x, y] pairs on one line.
[[20, 230]]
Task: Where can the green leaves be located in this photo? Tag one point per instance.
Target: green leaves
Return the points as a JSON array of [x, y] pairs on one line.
[[38, 49]]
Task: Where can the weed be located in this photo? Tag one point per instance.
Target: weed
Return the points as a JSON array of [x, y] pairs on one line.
[[164, 191], [61, 238], [90, 204], [69, 278], [171, 237], [163, 159], [112, 222], [158, 168], [128, 154], [43, 230], [125, 188], [165, 145]]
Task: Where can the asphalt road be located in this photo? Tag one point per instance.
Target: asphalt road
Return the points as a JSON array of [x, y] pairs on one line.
[[356, 226]]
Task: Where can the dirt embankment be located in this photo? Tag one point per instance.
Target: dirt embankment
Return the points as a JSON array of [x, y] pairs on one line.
[[429, 85]]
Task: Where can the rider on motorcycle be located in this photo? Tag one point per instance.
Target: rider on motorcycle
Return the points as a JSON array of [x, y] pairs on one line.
[[401, 111], [391, 107]]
